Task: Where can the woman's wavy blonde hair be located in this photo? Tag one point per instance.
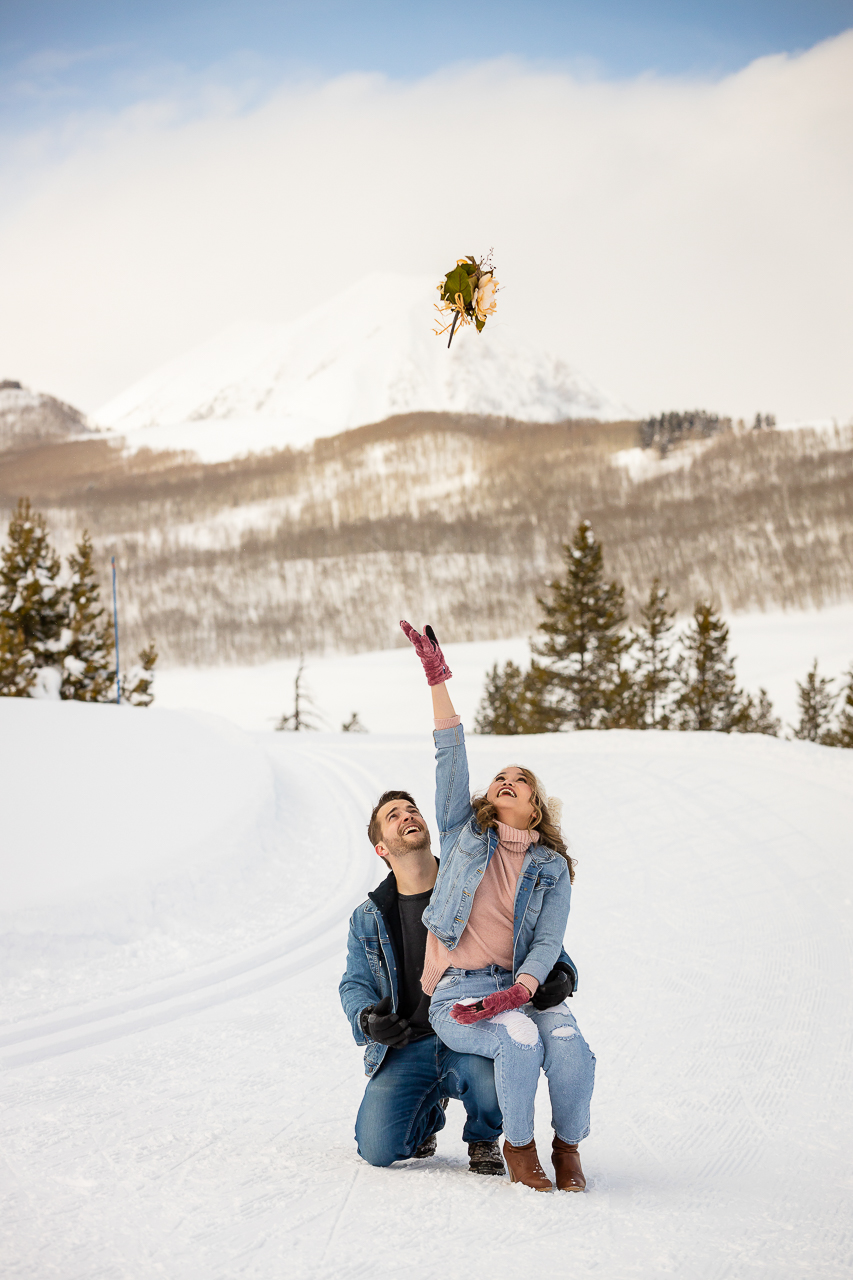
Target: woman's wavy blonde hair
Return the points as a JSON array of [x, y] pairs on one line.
[[542, 821]]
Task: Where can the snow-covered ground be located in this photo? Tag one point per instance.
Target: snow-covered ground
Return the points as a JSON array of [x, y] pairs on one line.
[[773, 650], [179, 1082]]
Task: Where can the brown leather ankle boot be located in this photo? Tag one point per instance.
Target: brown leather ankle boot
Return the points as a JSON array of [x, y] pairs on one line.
[[523, 1164], [567, 1165]]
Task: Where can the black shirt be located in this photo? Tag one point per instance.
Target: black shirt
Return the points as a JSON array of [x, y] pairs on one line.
[[409, 935]]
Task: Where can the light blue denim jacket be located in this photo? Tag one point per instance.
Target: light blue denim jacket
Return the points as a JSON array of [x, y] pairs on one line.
[[371, 972], [544, 888]]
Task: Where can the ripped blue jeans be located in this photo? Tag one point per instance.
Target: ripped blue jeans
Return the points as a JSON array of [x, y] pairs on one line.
[[521, 1043]]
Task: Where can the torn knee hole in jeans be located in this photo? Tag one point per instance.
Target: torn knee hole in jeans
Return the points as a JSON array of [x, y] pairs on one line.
[[564, 1033], [519, 1027]]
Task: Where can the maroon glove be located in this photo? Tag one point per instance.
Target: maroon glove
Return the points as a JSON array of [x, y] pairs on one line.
[[500, 1002], [428, 650]]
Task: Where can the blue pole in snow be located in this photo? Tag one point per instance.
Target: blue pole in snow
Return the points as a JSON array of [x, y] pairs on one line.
[[115, 624]]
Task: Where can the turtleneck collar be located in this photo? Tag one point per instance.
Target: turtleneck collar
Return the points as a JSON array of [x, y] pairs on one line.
[[514, 840]]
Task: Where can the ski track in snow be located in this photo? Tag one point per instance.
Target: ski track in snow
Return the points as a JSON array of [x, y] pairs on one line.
[[201, 1126], [308, 942]]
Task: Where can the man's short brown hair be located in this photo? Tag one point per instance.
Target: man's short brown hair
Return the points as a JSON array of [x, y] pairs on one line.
[[374, 830]]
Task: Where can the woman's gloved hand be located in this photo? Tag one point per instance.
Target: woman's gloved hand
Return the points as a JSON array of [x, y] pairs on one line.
[[384, 1026], [556, 988], [513, 998], [429, 651]]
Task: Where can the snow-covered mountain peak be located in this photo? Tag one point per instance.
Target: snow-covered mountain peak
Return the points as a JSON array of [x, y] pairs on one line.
[[30, 417], [360, 357]]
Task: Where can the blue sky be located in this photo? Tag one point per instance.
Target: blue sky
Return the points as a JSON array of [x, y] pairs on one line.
[[684, 171], [66, 56]]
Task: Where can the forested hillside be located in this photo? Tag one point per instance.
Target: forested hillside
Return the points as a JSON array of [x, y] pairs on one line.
[[453, 517]]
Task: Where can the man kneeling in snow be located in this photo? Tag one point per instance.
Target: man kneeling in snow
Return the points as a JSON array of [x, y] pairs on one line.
[[411, 1073]]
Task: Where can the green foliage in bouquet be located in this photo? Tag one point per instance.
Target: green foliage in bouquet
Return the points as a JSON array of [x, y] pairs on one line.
[[468, 293]]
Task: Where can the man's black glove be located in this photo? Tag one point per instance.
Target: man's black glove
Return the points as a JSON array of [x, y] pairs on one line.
[[556, 988], [379, 1023]]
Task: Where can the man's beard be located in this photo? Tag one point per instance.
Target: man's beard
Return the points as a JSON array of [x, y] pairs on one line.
[[401, 846]]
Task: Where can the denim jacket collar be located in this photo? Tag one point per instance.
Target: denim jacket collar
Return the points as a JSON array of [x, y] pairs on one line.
[[385, 894]]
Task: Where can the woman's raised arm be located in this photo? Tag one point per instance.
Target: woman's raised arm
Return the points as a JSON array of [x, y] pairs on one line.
[[442, 707], [452, 798]]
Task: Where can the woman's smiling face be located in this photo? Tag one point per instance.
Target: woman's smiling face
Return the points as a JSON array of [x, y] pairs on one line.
[[512, 796]]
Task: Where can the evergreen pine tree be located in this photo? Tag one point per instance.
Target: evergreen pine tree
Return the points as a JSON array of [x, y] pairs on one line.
[[136, 685], [87, 671], [499, 710], [842, 736], [653, 671], [584, 643], [17, 668], [624, 704], [32, 603], [756, 716], [708, 697], [515, 701], [816, 701]]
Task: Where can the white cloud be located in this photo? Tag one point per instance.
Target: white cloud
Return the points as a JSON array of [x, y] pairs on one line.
[[681, 242]]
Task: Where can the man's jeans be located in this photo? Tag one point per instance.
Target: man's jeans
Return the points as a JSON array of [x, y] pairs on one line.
[[400, 1108], [521, 1043]]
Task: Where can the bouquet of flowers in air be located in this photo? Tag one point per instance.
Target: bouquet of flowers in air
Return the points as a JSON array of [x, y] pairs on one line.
[[467, 294]]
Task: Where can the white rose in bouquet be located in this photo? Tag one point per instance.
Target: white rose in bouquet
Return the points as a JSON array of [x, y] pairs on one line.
[[485, 300]]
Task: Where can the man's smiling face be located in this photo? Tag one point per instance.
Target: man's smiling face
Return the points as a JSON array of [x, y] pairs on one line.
[[403, 829]]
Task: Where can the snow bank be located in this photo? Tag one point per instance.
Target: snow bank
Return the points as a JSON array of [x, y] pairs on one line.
[[125, 831], [98, 796]]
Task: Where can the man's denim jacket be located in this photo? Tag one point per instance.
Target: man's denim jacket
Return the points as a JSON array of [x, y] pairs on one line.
[[544, 889], [371, 971]]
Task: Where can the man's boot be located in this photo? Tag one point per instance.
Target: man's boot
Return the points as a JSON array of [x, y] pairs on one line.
[[524, 1167], [485, 1157], [429, 1146], [567, 1165]]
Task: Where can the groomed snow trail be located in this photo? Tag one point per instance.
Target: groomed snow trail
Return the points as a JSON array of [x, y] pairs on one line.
[[308, 941], [192, 1116]]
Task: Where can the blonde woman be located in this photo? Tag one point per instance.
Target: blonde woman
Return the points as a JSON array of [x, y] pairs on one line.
[[496, 921]]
